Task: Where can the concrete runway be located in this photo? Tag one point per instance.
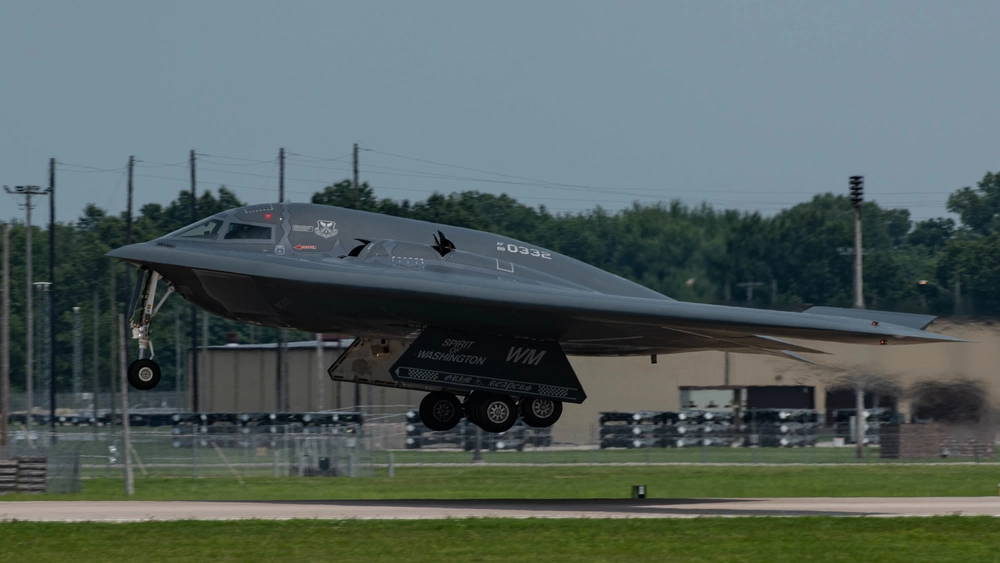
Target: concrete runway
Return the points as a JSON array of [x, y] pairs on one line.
[[135, 511]]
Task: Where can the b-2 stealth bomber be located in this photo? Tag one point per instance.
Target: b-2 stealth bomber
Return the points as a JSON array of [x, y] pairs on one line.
[[482, 322]]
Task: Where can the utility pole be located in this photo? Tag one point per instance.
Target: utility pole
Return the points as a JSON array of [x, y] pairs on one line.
[[5, 338], [281, 175], [95, 332], [52, 310], [281, 365], [77, 354], [857, 197], [45, 346], [127, 273], [126, 423], [128, 208], [859, 419], [355, 167], [204, 330], [321, 384], [357, 187], [194, 309], [112, 339], [29, 328], [177, 358]]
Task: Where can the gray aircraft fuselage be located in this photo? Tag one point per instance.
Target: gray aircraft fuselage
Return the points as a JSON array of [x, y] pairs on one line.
[[326, 269]]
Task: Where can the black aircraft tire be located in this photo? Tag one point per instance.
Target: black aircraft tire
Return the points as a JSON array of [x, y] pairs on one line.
[[440, 411], [143, 374], [492, 413], [540, 413]]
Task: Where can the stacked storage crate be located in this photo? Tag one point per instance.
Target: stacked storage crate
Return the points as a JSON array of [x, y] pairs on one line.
[[643, 429], [706, 427], [784, 428], [709, 428], [464, 436]]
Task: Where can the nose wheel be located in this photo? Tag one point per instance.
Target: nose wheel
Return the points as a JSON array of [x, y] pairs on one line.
[[143, 373]]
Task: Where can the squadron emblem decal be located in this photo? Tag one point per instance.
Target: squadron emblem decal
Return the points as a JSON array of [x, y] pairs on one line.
[[326, 228]]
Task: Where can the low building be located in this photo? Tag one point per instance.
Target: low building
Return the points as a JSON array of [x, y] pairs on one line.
[[243, 378]]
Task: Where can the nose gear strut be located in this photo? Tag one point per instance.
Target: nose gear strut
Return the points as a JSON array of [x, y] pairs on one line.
[[144, 373]]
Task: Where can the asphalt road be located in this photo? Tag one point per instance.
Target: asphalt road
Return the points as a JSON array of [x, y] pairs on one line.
[[133, 511]]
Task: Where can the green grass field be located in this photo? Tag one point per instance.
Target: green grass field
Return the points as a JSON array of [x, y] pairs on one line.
[[568, 482], [665, 455], [702, 539]]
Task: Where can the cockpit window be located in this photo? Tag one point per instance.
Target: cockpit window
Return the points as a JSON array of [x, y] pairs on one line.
[[205, 230], [247, 232]]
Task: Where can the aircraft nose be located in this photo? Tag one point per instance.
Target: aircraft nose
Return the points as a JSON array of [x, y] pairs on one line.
[[132, 252]]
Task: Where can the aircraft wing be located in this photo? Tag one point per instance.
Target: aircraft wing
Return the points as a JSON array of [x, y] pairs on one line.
[[584, 322]]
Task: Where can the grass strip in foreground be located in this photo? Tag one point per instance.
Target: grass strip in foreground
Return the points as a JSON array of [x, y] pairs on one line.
[[487, 482], [717, 539]]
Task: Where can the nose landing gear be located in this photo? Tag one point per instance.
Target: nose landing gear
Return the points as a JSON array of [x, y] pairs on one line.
[[144, 373]]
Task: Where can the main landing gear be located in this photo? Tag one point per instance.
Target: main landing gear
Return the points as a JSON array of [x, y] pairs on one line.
[[144, 373], [540, 413], [492, 412], [440, 411]]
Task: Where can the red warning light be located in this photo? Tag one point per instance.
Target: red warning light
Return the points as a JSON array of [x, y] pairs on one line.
[[874, 323], [267, 216], [883, 342]]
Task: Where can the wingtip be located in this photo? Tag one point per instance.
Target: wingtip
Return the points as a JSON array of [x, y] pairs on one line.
[[799, 358], [925, 337]]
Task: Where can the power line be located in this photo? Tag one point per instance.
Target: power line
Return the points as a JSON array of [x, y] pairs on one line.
[[252, 160], [405, 172], [322, 158], [612, 196], [156, 164]]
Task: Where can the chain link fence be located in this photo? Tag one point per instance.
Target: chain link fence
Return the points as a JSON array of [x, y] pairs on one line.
[[251, 445]]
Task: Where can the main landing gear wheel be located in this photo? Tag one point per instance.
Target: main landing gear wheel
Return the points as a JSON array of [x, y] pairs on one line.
[[143, 374], [440, 411], [492, 413], [540, 413]]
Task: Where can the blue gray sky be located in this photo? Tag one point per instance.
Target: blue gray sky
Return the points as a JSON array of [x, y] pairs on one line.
[[571, 104]]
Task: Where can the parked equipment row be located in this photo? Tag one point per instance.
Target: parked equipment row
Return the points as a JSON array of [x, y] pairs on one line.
[[465, 435], [688, 428], [155, 419]]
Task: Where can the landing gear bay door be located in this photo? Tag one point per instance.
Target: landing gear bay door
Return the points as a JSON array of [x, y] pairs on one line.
[[368, 360], [465, 362]]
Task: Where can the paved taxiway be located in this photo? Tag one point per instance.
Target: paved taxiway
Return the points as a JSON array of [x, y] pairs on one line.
[[131, 511]]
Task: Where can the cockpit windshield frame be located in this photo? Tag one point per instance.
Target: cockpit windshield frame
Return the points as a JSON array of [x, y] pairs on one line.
[[248, 230], [209, 230]]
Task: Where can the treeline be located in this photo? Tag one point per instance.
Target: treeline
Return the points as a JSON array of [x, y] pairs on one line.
[[797, 257]]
